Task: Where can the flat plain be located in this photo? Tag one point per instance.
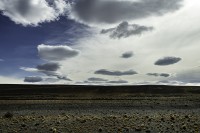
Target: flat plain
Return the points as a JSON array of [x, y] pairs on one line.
[[94, 109]]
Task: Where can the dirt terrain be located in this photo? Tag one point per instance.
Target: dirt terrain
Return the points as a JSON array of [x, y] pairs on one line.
[[94, 109]]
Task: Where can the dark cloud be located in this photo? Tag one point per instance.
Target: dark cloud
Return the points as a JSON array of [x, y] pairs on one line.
[[164, 75], [93, 79], [158, 74], [124, 30], [167, 61], [112, 11], [33, 79], [118, 82], [128, 54], [56, 53], [115, 73], [49, 67]]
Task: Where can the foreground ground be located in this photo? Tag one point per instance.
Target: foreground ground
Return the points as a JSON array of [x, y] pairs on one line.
[[105, 112]]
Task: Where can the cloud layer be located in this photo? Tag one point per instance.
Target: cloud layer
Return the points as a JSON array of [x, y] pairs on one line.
[[124, 30], [56, 53], [49, 67], [158, 74], [32, 12], [118, 82], [112, 11], [115, 73], [33, 79], [167, 61], [93, 79]]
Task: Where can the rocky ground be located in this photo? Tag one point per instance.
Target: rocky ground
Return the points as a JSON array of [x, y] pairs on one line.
[[135, 115]]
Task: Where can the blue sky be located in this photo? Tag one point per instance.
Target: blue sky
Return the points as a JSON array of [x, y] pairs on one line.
[[104, 42], [20, 43]]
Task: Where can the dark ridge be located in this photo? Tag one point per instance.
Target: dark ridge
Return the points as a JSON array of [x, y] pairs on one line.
[[66, 91], [99, 89]]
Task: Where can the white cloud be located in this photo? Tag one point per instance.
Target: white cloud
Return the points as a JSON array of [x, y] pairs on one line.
[[28, 69], [32, 12], [50, 73], [171, 37], [1, 60], [56, 53], [51, 69]]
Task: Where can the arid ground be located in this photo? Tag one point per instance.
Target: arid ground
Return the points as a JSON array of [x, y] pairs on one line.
[[94, 109]]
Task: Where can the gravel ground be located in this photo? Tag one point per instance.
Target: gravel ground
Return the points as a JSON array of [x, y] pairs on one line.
[[143, 115]]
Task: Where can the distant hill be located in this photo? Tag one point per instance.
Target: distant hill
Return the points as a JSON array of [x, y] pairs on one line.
[[77, 91]]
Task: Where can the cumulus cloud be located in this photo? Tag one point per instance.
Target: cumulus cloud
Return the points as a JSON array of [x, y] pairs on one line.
[[158, 74], [33, 12], [167, 61], [112, 11], [49, 67], [127, 54], [124, 30], [56, 53], [33, 79], [118, 82], [115, 73]]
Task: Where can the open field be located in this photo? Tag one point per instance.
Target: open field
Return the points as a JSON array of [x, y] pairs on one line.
[[92, 109]]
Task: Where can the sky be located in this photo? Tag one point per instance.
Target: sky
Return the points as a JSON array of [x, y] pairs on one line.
[[100, 42]]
